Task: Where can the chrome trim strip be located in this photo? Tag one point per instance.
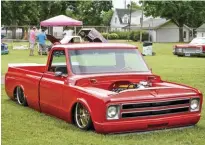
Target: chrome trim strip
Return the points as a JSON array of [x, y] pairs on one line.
[[161, 101], [187, 106], [153, 115]]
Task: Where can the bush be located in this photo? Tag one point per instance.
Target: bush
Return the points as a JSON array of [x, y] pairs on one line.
[[145, 36], [133, 35], [113, 36], [122, 35], [105, 35]]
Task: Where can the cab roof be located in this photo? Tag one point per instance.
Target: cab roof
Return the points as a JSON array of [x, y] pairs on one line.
[[95, 45]]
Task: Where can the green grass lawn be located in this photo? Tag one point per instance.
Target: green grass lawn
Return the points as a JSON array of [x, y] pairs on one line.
[[22, 125]]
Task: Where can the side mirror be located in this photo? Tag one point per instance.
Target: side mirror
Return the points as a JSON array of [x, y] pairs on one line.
[[58, 73]]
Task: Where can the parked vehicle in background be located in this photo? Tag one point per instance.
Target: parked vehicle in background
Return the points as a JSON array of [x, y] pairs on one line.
[[195, 48], [107, 86], [84, 35], [4, 47]]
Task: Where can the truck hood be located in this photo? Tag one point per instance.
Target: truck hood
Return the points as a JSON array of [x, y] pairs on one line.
[[152, 93], [52, 39], [140, 94], [188, 45]]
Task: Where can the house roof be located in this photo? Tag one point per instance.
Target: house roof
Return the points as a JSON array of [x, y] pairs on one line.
[[136, 13], [154, 22], [122, 12], [151, 23], [201, 28]]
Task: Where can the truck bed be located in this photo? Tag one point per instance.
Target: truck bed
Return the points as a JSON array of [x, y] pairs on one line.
[[34, 67], [28, 74]]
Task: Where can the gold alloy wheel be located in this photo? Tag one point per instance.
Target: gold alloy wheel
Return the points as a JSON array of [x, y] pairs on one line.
[[82, 116]]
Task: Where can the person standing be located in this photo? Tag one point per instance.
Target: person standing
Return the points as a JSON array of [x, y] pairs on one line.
[[42, 41], [32, 40]]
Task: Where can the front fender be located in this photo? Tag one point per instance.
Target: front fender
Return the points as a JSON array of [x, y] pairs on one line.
[[85, 103]]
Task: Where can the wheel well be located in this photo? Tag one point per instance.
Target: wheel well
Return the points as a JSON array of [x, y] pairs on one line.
[[14, 92], [73, 113]]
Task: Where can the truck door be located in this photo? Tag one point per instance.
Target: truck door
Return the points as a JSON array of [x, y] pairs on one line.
[[52, 84]]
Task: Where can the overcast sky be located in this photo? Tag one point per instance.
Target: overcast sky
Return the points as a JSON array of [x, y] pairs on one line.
[[121, 3]]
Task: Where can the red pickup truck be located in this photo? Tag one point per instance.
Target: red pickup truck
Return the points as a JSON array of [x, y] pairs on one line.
[[104, 86]]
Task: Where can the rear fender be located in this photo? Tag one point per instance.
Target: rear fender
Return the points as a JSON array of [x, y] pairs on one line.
[[19, 85]]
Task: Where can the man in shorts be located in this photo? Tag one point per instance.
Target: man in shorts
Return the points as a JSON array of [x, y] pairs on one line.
[[42, 41], [32, 40]]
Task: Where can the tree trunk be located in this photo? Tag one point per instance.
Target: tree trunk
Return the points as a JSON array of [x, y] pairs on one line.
[[25, 37], [6, 31], [181, 37], [22, 34], [14, 33]]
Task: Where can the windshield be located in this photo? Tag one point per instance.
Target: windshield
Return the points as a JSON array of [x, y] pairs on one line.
[[106, 61], [198, 41]]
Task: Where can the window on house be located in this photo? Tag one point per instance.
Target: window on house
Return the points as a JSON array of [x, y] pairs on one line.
[[126, 19], [115, 19], [184, 34]]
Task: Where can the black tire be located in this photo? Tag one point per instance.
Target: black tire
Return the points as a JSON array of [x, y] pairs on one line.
[[180, 55], [20, 97], [82, 117]]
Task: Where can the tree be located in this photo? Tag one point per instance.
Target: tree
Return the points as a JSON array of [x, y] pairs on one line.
[[135, 6], [180, 12], [18, 13], [90, 11], [25, 13], [106, 17]]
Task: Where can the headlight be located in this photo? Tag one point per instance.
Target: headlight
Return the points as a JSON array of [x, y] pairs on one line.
[[113, 112], [194, 104], [179, 49], [174, 48], [199, 50]]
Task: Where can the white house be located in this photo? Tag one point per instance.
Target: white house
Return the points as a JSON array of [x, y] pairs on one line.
[[121, 18], [201, 31], [162, 30]]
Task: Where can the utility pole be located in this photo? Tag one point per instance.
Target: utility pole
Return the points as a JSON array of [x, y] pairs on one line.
[[141, 21], [130, 15], [130, 7]]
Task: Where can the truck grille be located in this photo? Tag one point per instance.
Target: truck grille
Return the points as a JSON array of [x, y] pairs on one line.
[[188, 50], [154, 108], [191, 50]]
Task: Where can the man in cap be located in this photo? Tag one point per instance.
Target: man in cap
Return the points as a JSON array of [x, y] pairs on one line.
[[32, 40]]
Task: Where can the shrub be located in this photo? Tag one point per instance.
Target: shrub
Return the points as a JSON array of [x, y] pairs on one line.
[[105, 35], [122, 35], [133, 35], [113, 36], [145, 36]]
